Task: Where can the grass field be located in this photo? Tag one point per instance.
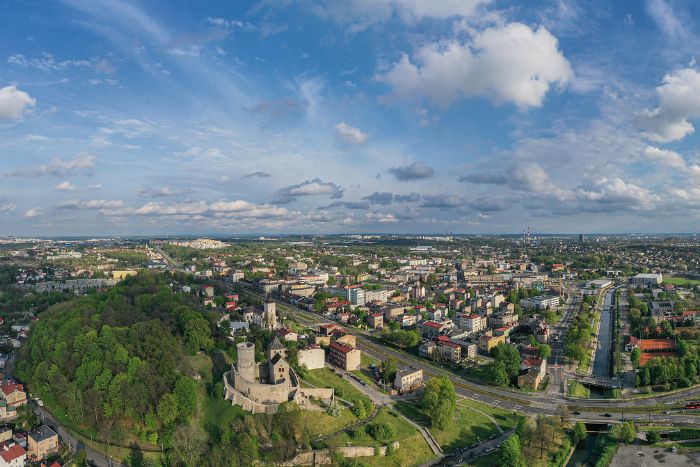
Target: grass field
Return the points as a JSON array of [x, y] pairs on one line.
[[681, 281], [413, 449], [576, 389], [325, 378], [468, 427]]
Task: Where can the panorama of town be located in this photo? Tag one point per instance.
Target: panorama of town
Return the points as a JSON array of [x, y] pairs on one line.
[[348, 349]]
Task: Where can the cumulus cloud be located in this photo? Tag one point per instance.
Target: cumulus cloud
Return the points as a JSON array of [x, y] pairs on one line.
[[7, 207], [32, 213], [442, 201], [610, 194], [14, 103], [91, 204], [355, 205], [351, 134], [664, 157], [380, 197], [315, 187], [415, 171], [65, 186], [506, 64], [679, 101], [59, 167]]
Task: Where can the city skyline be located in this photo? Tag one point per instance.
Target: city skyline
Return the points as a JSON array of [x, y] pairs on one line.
[[387, 116]]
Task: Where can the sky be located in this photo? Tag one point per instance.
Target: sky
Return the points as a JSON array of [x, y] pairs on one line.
[[348, 116]]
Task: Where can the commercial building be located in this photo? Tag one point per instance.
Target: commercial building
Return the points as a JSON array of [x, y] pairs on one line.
[[543, 302], [646, 280]]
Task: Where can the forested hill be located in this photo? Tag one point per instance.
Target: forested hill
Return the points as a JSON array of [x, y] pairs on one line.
[[112, 362]]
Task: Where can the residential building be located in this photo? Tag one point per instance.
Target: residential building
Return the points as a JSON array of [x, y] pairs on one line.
[[449, 350], [344, 356], [427, 349], [41, 442], [375, 320], [486, 343], [472, 323], [12, 455], [408, 379], [432, 329], [13, 393]]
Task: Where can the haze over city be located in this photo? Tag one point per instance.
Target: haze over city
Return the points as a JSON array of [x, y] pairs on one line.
[[406, 116]]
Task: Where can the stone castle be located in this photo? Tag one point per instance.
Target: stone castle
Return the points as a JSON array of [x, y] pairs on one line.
[[262, 387]]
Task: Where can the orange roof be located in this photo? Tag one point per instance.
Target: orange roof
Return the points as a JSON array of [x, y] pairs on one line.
[[656, 344], [341, 347]]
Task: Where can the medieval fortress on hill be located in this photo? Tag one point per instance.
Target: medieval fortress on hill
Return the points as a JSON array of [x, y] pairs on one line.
[[262, 387]]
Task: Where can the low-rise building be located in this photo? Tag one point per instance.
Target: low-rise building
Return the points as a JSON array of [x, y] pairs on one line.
[[12, 455], [427, 349], [41, 442], [344, 356], [13, 393], [432, 329], [375, 320], [486, 343], [408, 379]]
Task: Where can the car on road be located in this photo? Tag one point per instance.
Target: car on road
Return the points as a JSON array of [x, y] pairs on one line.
[[608, 415], [576, 412], [493, 436]]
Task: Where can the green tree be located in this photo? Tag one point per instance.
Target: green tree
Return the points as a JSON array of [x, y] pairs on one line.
[[388, 370], [380, 431], [167, 409], [545, 351], [197, 335], [439, 401], [635, 356], [653, 437], [186, 396], [629, 432], [510, 454], [579, 432], [496, 374]]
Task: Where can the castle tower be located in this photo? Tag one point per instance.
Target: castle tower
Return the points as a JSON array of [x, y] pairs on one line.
[[270, 314], [246, 360]]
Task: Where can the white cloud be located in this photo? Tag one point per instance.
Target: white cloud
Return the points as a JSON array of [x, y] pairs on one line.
[[91, 204], [129, 128], [47, 62], [58, 167], [14, 103], [382, 218], [664, 156], [615, 193], [66, 186], [510, 63], [313, 187], [679, 101], [663, 15], [32, 213], [351, 134], [360, 14], [7, 207]]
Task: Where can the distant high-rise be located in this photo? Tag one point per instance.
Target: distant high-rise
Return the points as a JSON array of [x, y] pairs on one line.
[[580, 238]]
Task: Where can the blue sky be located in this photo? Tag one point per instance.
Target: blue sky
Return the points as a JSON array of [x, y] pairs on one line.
[[293, 116]]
